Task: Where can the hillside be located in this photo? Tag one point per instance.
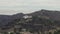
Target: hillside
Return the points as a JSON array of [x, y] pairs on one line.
[[9, 19]]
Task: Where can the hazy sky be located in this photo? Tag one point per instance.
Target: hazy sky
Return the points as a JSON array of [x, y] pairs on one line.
[[26, 6]]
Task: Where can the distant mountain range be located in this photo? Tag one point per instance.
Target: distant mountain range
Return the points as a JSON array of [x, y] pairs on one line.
[[55, 15], [5, 19]]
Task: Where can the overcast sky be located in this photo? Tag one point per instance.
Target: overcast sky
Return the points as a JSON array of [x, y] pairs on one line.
[[27, 6]]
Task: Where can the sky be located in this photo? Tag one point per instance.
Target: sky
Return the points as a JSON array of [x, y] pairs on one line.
[[10, 7]]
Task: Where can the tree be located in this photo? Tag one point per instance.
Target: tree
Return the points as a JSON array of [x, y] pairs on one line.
[[49, 32], [11, 33], [57, 32], [17, 33]]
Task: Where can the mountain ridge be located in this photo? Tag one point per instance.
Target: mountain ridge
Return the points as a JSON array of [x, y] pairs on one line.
[[5, 19]]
